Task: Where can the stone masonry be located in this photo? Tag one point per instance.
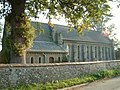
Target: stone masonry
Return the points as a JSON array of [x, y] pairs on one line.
[[15, 74]]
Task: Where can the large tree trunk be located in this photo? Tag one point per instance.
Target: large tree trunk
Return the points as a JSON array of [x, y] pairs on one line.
[[18, 8], [18, 59], [5, 53]]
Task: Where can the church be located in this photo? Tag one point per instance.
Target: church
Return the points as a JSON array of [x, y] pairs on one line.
[[56, 44]]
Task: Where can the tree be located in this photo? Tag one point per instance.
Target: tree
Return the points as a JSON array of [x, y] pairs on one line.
[[78, 14], [108, 30], [0, 27], [0, 32]]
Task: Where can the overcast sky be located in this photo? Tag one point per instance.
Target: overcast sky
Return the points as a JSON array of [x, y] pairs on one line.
[[116, 19]]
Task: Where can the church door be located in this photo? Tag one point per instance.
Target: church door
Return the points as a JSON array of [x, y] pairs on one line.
[[51, 60]]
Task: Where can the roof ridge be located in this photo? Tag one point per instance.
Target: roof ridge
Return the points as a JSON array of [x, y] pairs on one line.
[[63, 26], [47, 23]]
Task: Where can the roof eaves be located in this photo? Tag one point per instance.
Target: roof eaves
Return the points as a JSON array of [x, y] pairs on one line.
[[65, 39], [49, 51]]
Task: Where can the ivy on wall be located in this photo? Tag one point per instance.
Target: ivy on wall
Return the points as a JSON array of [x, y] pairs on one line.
[[25, 34]]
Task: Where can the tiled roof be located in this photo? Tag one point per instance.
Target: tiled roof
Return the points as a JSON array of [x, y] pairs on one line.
[[43, 42], [90, 36], [43, 36], [43, 46]]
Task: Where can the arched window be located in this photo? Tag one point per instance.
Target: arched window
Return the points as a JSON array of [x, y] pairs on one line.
[[51, 60], [31, 60], [39, 59], [58, 59], [102, 52], [95, 52], [109, 52], [78, 52], [87, 52]]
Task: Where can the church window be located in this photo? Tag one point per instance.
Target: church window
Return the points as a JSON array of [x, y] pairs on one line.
[[39, 59], [109, 52], [58, 59], [102, 52], [31, 59], [88, 52], [78, 52], [95, 52]]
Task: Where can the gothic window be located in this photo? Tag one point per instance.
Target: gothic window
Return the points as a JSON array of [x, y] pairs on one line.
[[31, 59], [78, 52], [39, 59], [84, 52], [58, 59], [95, 52], [99, 52], [106, 53], [102, 52], [109, 52], [88, 52], [91, 53], [83, 55]]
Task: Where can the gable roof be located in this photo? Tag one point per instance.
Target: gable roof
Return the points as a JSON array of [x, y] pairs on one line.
[[88, 36], [43, 46], [43, 36], [44, 43]]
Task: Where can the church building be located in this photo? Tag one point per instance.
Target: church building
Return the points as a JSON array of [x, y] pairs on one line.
[[55, 44]]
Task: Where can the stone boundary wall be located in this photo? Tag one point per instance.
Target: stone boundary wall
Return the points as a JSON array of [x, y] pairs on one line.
[[15, 74]]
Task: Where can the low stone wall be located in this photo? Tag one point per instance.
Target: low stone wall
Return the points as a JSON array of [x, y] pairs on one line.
[[14, 74]]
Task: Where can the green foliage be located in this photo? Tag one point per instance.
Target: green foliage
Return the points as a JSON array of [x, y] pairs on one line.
[[26, 31], [23, 35], [5, 56], [106, 74], [40, 28], [78, 13], [74, 81], [68, 82]]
